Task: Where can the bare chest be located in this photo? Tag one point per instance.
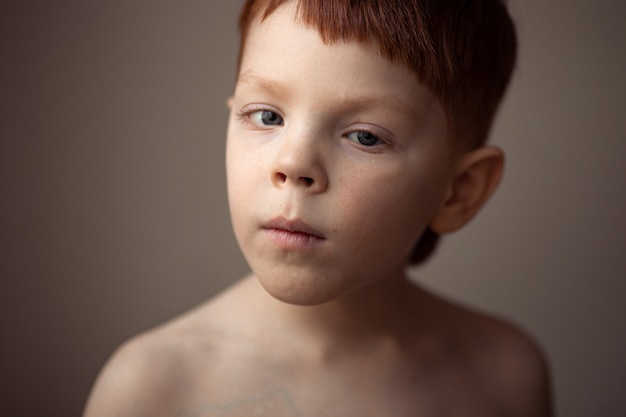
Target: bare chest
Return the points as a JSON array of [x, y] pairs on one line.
[[367, 390]]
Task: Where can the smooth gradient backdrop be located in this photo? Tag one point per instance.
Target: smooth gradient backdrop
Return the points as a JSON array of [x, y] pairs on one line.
[[113, 212]]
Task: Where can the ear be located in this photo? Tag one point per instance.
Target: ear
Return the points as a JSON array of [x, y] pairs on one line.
[[477, 177], [229, 102]]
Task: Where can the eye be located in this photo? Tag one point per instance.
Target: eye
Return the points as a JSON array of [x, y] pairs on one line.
[[365, 138], [265, 118]]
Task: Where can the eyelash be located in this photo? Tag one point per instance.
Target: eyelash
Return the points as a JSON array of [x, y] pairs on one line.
[[378, 139], [244, 116]]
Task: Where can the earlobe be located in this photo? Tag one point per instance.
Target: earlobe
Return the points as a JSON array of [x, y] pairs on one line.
[[477, 177]]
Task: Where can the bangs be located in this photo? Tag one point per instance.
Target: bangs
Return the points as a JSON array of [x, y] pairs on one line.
[[398, 28], [392, 25]]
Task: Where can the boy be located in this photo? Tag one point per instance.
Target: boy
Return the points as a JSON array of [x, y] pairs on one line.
[[356, 130]]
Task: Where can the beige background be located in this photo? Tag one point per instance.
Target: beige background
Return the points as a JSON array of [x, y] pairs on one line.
[[114, 216]]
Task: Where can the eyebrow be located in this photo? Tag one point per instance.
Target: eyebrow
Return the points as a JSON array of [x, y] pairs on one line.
[[355, 103], [377, 101], [257, 81]]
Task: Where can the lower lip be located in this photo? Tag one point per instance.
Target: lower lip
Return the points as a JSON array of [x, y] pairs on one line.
[[293, 240]]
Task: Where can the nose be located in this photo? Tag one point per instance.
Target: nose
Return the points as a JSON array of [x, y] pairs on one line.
[[299, 163]]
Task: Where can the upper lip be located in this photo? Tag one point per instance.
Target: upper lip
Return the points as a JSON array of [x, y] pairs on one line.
[[293, 226]]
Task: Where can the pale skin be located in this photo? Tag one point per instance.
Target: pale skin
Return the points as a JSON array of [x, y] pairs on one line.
[[330, 182]]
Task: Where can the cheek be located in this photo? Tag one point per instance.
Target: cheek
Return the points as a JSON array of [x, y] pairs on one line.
[[241, 165], [240, 178], [389, 212]]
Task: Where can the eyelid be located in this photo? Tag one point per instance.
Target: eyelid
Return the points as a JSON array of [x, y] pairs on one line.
[[252, 108], [377, 141], [246, 111], [381, 133]]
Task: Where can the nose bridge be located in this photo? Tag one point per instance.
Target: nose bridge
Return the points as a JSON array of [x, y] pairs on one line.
[[299, 161]]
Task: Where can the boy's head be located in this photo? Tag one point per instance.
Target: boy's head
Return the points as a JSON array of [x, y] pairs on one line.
[[462, 52]]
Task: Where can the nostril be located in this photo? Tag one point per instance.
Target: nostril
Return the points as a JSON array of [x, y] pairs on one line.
[[282, 178]]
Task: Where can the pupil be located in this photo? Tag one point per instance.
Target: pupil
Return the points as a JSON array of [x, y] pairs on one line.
[[270, 118], [366, 138]]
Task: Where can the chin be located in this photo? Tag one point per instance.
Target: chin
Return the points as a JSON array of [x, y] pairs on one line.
[[301, 290]]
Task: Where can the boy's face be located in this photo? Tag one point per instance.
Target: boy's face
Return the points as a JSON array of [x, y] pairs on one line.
[[336, 161]]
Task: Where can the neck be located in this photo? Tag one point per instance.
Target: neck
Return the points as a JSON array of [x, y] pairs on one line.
[[378, 312]]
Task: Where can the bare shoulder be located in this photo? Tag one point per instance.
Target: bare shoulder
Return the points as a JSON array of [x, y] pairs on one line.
[[508, 365], [140, 377], [515, 369], [155, 372], [130, 373]]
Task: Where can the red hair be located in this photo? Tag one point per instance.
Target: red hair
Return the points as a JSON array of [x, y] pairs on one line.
[[464, 51]]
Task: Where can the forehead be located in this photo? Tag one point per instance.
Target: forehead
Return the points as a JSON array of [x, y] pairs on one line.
[[280, 50]]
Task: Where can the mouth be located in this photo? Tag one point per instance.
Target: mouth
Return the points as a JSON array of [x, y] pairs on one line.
[[292, 234]]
